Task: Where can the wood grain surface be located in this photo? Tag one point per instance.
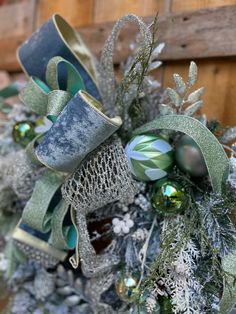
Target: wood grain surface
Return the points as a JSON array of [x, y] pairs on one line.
[[207, 36], [187, 35], [17, 21]]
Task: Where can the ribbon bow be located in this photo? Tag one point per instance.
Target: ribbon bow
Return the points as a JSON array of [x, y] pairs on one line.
[[51, 98]]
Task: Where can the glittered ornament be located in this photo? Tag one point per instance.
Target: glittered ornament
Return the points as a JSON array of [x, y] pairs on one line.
[[126, 288], [150, 157], [189, 157], [169, 197], [23, 132]]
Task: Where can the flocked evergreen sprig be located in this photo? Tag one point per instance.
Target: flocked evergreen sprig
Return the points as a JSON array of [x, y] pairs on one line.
[[218, 227]]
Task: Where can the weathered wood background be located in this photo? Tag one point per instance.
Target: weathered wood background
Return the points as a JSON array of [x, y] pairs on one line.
[[202, 30]]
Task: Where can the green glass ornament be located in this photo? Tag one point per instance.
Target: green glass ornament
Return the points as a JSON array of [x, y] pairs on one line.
[[189, 157], [150, 157], [169, 197], [126, 288], [23, 132]]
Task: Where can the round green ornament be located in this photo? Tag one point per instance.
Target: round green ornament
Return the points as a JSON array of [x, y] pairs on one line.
[[23, 132], [169, 197], [150, 157], [189, 157], [126, 288]]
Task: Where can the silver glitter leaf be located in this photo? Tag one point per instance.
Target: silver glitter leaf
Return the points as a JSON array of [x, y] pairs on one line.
[[191, 110], [179, 84], [193, 72], [173, 96], [196, 95]]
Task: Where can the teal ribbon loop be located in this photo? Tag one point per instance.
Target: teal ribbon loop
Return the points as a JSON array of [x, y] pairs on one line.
[[214, 155], [9, 91], [51, 98]]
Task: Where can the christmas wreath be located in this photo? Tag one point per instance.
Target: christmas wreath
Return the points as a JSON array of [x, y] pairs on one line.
[[116, 197]]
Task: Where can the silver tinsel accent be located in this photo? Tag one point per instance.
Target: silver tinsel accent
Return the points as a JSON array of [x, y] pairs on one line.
[[103, 178], [107, 82]]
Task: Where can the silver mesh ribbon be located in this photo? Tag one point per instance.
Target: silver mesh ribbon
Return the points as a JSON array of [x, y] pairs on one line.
[[101, 179]]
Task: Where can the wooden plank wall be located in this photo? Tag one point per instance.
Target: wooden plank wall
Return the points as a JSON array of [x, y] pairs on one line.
[[218, 75]]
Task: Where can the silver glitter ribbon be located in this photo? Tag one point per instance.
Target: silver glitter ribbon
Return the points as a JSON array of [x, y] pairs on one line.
[[213, 153], [106, 75]]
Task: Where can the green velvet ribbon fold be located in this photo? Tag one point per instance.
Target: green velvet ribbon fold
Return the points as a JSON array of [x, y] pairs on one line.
[[51, 98]]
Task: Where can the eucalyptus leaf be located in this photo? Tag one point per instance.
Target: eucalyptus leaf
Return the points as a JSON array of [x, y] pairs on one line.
[[191, 110], [179, 84], [157, 51], [175, 98], [193, 72], [165, 110], [154, 65], [196, 95]]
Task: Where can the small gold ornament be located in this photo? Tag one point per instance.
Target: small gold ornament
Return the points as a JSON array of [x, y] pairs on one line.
[[169, 197], [23, 132], [126, 288]]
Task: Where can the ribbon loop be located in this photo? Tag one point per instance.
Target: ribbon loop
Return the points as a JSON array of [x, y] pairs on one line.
[[57, 100], [60, 71], [107, 81], [63, 236], [36, 214], [34, 95], [51, 98]]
